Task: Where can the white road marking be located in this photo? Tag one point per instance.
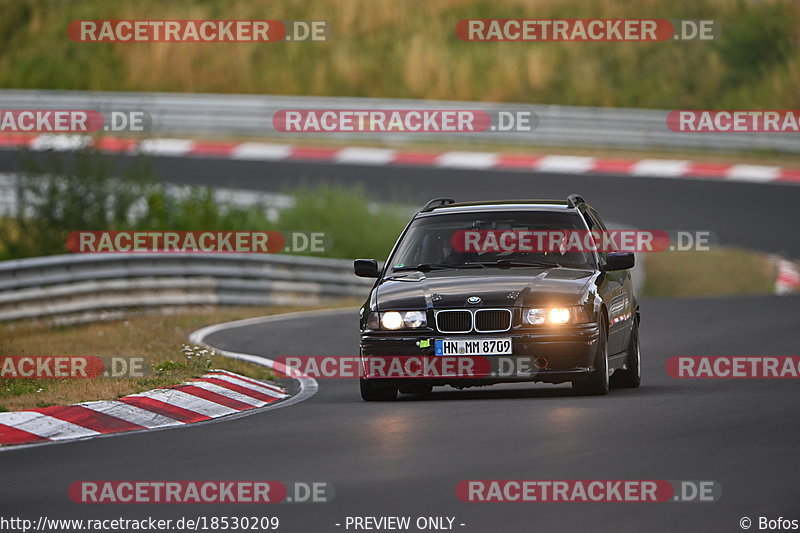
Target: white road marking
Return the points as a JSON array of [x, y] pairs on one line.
[[565, 163], [188, 401], [364, 156], [478, 160], [45, 426], [755, 173], [266, 389], [132, 414], [660, 168], [265, 151], [60, 143], [166, 146], [228, 393]]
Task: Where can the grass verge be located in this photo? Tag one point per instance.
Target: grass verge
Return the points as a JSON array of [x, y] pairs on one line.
[[719, 272], [410, 50], [160, 338], [61, 193]]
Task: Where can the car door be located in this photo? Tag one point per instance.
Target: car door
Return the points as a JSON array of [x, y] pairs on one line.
[[618, 294]]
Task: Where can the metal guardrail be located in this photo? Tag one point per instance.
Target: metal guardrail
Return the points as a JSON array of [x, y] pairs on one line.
[[69, 289], [272, 203], [87, 287], [251, 116]]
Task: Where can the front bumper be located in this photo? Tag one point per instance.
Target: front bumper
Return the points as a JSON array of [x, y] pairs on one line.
[[552, 355]]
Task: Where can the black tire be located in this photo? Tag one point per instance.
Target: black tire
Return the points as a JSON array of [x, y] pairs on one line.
[[631, 376], [371, 393], [416, 388], [597, 383]]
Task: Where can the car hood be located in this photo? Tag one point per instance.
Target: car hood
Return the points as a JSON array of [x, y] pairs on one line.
[[496, 288]]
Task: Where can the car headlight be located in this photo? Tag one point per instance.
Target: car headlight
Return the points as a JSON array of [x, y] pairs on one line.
[[414, 319], [558, 315], [535, 317], [392, 320], [374, 321], [554, 315], [399, 319]]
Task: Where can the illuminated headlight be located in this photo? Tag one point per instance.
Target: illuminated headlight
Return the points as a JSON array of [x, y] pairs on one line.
[[558, 315], [397, 320], [392, 320], [554, 315]]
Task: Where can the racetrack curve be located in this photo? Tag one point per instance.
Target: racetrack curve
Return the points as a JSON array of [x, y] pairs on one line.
[[406, 458]]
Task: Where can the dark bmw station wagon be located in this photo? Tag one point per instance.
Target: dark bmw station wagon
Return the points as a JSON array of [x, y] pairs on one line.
[[461, 283]]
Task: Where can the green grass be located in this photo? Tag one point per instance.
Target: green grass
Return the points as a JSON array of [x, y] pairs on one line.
[[65, 194], [719, 272], [357, 227], [385, 48], [159, 338]]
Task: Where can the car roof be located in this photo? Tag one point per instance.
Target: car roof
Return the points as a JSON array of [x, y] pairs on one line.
[[501, 205]]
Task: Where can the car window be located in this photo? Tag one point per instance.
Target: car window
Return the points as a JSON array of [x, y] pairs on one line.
[[596, 224], [430, 240]]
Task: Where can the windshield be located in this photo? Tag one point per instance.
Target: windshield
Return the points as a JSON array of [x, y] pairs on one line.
[[438, 241]]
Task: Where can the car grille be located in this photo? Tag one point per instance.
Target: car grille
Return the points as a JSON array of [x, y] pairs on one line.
[[481, 320], [454, 321], [492, 320]]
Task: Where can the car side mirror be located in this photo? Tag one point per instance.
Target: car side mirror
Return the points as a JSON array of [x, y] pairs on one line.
[[619, 261], [366, 268]]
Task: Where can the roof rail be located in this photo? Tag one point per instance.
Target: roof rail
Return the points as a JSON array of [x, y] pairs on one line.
[[436, 202], [573, 200]]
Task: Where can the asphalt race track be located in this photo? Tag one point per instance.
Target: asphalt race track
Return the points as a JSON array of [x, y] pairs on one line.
[[405, 458]]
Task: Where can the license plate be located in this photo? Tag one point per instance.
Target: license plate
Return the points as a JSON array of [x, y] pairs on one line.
[[452, 347]]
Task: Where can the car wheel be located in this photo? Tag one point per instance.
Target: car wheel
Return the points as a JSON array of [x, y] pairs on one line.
[[416, 388], [371, 393], [597, 382], [631, 376]]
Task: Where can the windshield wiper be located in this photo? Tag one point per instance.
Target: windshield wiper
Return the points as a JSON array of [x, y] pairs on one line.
[[508, 263], [426, 267]]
